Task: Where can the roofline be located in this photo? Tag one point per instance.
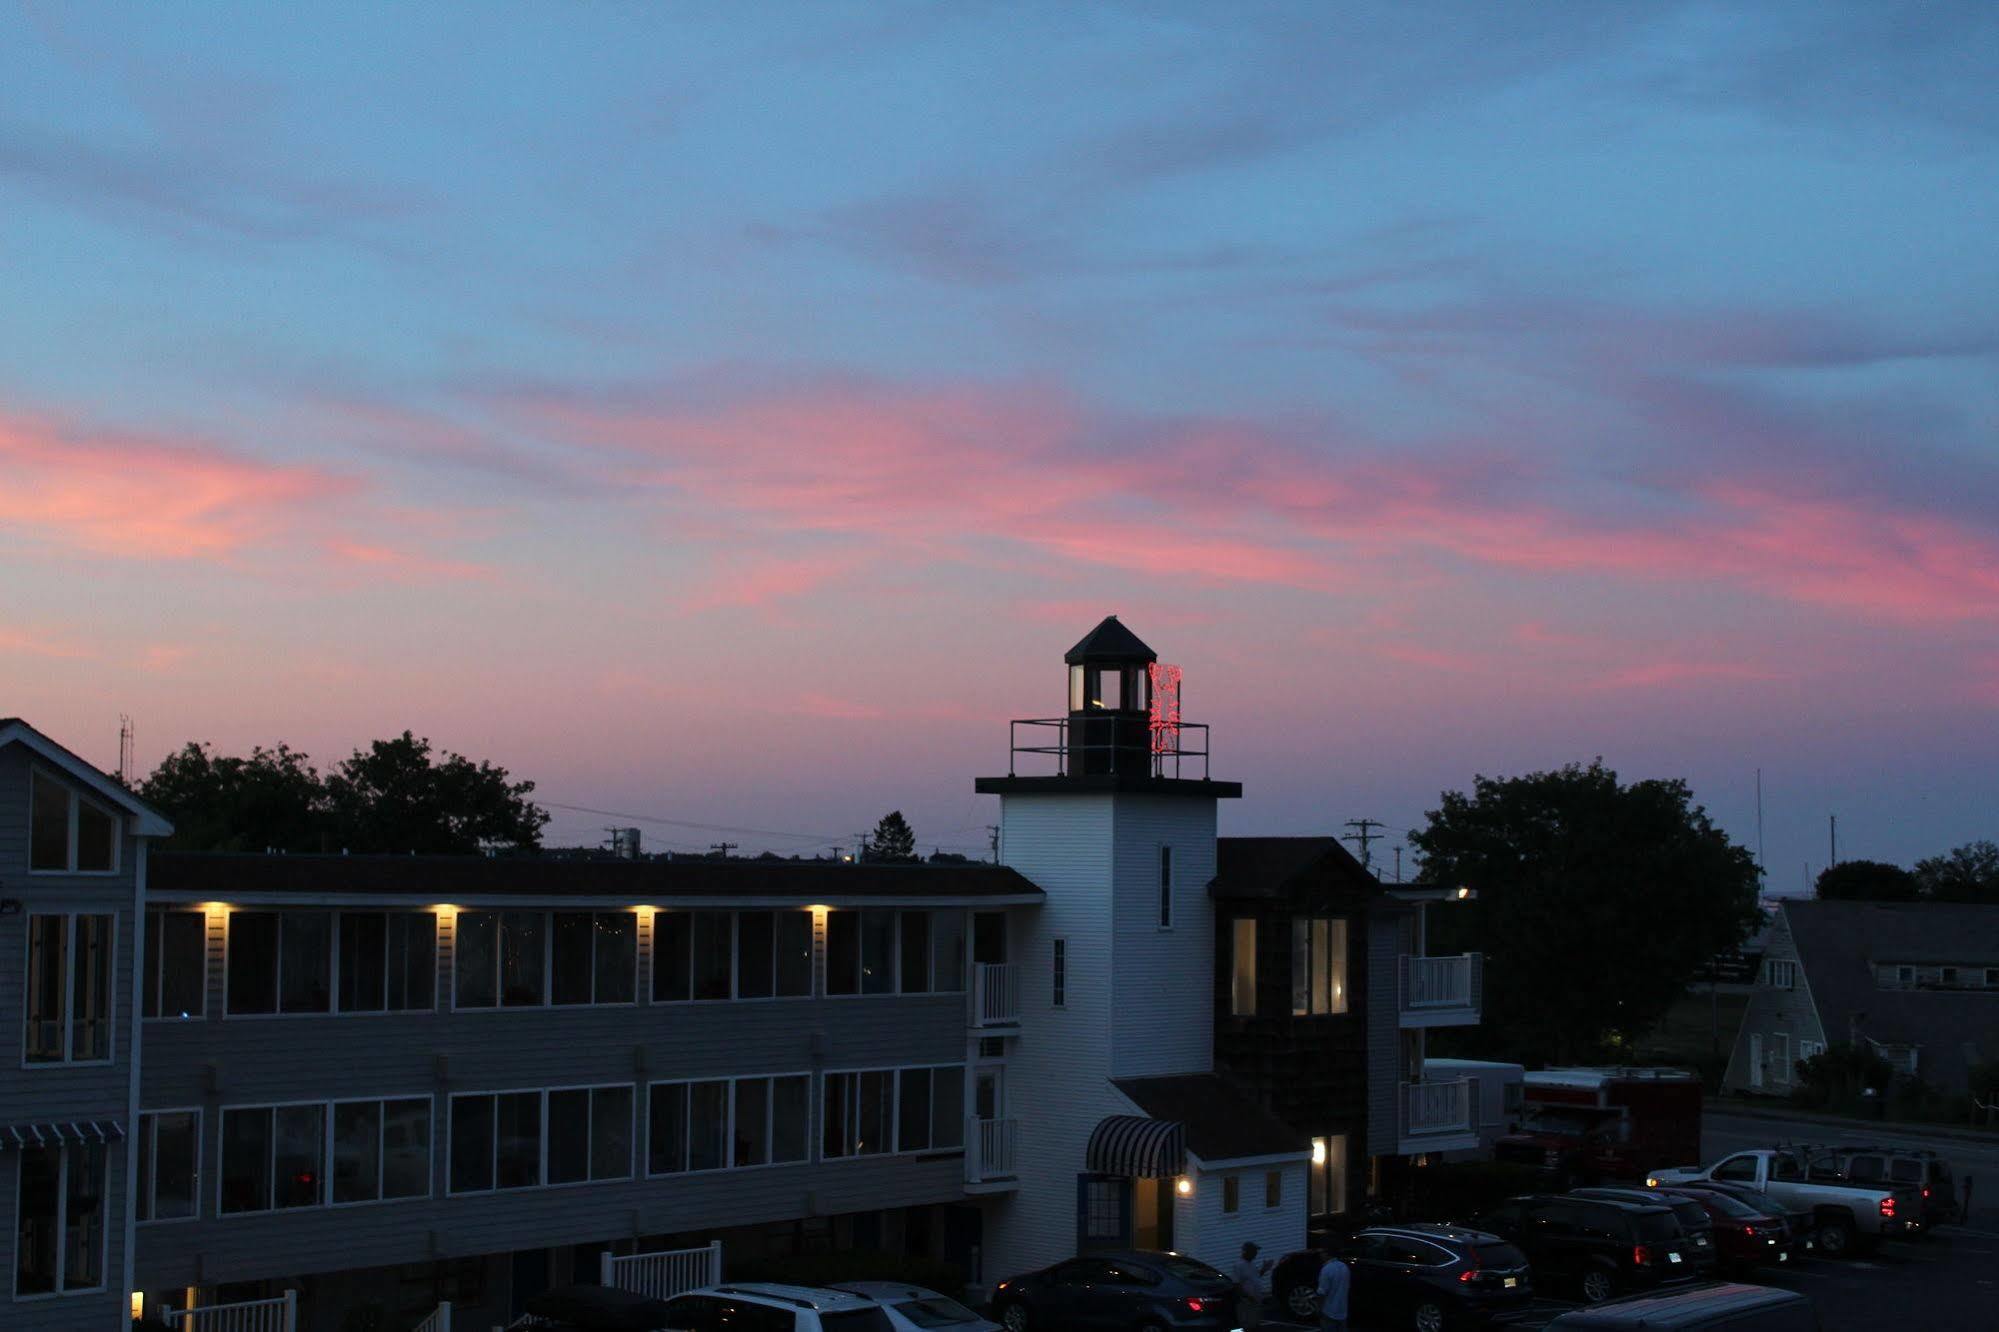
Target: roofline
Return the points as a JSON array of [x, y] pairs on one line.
[[1268, 1158], [577, 901], [150, 822]]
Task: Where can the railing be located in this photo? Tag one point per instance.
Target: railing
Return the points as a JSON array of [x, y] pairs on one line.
[[989, 1149], [1430, 984], [1436, 1107], [995, 994], [439, 1320], [664, 1274], [1129, 746], [279, 1314]]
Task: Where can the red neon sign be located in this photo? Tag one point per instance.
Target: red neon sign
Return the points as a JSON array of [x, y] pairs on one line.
[[1165, 708]]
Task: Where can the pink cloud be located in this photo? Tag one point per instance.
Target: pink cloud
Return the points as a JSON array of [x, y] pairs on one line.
[[761, 582], [1659, 674], [27, 642]]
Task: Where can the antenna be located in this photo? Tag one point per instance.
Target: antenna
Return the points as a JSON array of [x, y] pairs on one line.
[[124, 749]]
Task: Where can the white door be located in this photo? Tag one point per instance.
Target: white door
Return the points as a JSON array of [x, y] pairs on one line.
[[1755, 1061]]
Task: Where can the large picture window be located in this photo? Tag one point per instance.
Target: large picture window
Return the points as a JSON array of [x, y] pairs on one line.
[[589, 1134], [169, 1165], [880, 951], [68, 1010], [273, 1157], [1318, 966], [528, 959], [876, 1111], [772, 1120], [381, 1149], [496, 1141], [59, 1220], [594, 957], [731, 955], [176, 979], [279, 962], [66, 832], [688, 1127], [388, 961]]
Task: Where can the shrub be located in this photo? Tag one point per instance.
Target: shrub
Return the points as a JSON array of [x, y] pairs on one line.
[[1839, 1073]]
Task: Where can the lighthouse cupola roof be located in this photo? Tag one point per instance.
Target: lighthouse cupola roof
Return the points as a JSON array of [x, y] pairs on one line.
[[1110, 641]]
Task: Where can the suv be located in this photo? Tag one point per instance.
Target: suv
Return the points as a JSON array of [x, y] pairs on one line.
[[1695, 1223], [1120, 1289], [756, 1307], [1428, 1276], [1602, 1248], [1734, 1308]]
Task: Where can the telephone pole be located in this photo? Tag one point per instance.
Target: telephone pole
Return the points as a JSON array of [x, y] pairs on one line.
[[724, 847], [1832, 836], [1362, 836], [992, 839]]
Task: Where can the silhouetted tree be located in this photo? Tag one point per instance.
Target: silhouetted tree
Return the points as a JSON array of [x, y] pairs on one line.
[[1595, 904], [1867, 881], [1969, 873], [893, 841], [393, 797], [273, 799]]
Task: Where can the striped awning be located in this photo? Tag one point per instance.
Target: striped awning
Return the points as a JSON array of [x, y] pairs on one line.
[[1137, 1147], [54, 1133]]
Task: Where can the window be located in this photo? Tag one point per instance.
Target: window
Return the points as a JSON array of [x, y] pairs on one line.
[[388, 961], [773, 954], [859, 1114], [500, 959], [594, 957], [1947, 976], [1059, 979], [930, 1108], [771, 1120], [68, 1009], [947, 951], [1165, 887], [1810, 1049], [1782, 1056], [1326, 1186], [878, 951], [1318, 966], [872, 1112], [381, 1149], [687, 1127], [1273, 1188], [59, 1239], [169, 1165], [273, 1157], [1741, 1168], [279, 962], [589, 1134], [694, 955], [1780, 974], [496, 1141], [176, 980], [66, 833], [1231, 1194], [913, 966], [1242, 975]]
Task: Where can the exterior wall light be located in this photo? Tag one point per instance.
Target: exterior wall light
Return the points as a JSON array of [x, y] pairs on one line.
[[1184, 1187], [1318, 1151]]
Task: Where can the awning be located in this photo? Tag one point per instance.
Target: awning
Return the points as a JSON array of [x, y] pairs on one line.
[[1138, 1147], [54, 1133]]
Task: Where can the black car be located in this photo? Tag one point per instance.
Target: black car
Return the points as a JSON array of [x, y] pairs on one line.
[[1429, 1277], [1800, 1227], [1718, 1307], [1695, 1223], [1119, 1291], [1600, 1248]]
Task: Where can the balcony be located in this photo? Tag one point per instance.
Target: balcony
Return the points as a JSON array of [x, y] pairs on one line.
[[989, 1155], [995, 996], [1441, 991], [1110, 745], [1437, 1116]]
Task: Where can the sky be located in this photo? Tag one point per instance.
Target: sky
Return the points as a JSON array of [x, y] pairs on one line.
[[729, 414]]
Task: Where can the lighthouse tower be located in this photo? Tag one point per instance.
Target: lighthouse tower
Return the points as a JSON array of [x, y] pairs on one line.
[[1111, 812]]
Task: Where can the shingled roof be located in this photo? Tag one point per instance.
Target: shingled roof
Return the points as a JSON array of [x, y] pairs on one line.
[[1278, 867], [1110, 641], [1223, 1123]]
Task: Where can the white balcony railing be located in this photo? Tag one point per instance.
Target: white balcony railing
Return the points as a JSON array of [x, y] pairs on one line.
[[989, 1149], [278, 1314], [439, 1320], [663, 1274], [1436, 1107], [995, 994], [1441, 990]]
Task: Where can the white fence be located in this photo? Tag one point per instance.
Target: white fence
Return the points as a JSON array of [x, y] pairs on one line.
[[273, 1315], [1441, 982], [989, 1146], [439, 1320], [995, 994], [664, 1274], [1436, 1107]]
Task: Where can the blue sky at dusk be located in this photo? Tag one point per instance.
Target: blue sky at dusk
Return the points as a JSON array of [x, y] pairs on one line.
[[732, 412]]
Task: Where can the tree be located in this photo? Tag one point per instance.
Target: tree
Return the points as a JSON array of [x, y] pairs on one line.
[[1595, 904], [1867, 881], [393, 797], [893, 842], [272, 800], [1969, 873]]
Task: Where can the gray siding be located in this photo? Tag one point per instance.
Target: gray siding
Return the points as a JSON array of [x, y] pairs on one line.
[[1385, 931], [46, 1093], [215, 1061], [1774, 1012], [1164, 1019]]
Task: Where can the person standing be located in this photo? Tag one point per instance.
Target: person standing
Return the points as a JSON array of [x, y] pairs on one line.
[[1252, 1287], [1334, 1280]]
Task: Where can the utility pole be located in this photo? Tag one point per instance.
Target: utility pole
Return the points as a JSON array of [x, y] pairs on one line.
[[1832, 835], [1362, 836], [1398, 864], [724, 847], [124, 749], [1759, 823], [992, 840]]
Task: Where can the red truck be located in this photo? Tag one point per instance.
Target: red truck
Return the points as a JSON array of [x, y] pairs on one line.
[[1592, 1124]]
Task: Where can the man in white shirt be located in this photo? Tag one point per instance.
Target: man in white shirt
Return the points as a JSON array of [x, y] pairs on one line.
[[1252, 1287], [1334, 1279]]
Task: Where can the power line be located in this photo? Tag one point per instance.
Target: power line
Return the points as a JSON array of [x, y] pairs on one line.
[[1363, 835]]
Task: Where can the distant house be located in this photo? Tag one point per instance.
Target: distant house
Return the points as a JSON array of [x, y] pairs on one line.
[[1918, 983]]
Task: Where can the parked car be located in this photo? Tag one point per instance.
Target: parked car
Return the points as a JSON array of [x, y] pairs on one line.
[[1137, 1290], [1600, 1248], [1731, 1307], [1846, 1216], [1798, 1225], [758, 1307], [597, 1309], [1896, 1167], [1744, 1234], [1429, 1277], [914, 1309], [1695, 1223]]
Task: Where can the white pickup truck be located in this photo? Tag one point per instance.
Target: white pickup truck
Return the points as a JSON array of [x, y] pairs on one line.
[[1846, 1217]]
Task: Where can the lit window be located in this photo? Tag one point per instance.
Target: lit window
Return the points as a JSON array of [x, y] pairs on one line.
[[1328, 1183], [1318, 966], [1242, 980]]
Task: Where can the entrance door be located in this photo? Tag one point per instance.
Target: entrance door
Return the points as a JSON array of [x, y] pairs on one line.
[[1152, 1213], [989, 1091], [1756, 1060], [989, 936], [1103, 1212]]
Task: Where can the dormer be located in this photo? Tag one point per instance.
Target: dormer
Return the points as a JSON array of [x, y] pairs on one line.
[[76, 817]]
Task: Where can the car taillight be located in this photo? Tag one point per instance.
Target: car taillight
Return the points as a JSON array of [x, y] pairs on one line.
[[1466, 1275], [1194, 1305], [1887, 1207], [1641, 1256], [1926, 1191]]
